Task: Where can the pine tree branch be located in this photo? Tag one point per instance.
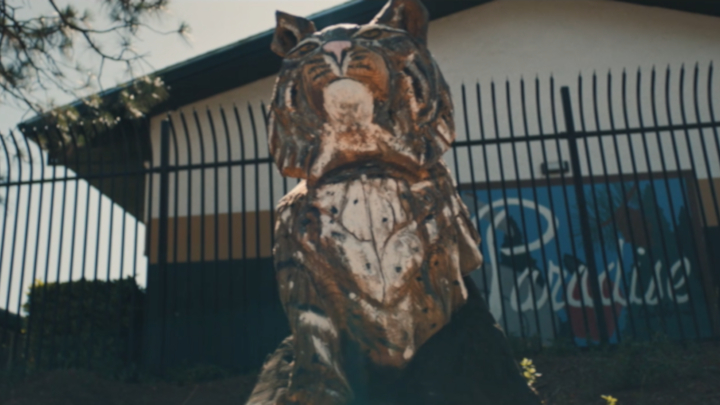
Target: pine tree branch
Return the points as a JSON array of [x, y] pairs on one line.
[[36, 55]]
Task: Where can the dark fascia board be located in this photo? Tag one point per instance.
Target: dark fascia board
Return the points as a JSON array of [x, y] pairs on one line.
[[707, 7], [251, 59]]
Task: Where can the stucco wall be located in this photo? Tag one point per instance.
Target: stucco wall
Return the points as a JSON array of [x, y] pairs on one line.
[[514, 38], [507, 39]]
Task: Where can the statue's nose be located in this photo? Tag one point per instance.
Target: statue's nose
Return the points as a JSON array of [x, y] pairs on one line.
[[338, 49]]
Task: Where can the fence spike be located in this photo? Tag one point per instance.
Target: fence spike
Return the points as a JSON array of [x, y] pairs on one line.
[[710, 97]]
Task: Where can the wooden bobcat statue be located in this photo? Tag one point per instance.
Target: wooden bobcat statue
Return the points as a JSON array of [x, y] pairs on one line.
[[374, 245]]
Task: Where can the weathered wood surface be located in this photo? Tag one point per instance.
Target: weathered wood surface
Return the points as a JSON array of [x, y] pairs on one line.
[[374, 245]]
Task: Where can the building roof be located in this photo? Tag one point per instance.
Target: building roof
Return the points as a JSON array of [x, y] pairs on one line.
[[251, 59]]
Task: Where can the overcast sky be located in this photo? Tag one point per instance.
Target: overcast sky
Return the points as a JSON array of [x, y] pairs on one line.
[[214, 23]]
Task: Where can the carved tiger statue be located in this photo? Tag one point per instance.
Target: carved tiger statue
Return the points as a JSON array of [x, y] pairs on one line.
[[374, 244]]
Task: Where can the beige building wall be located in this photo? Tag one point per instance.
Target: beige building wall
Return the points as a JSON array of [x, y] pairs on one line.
[[499, 41]]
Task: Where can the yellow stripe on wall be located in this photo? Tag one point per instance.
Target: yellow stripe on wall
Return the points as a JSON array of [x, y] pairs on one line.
[[261, 222], [190, 229]]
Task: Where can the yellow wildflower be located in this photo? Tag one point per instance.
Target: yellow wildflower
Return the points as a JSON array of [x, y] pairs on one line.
[[610, 399]]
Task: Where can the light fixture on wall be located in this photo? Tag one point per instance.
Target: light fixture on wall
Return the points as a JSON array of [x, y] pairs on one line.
[[550, 168]]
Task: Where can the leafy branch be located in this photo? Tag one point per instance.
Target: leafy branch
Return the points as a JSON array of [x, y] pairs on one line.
[[42, 55]]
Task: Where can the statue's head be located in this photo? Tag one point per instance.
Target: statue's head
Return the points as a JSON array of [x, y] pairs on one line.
[[357, 94]]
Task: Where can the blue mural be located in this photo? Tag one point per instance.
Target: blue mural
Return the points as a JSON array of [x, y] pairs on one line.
[[646, 250]]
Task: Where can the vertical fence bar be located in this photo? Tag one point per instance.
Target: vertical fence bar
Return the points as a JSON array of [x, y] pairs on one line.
[[203, 313], [74, 140], [129, 360], [163, 230], [43, 309], [584, 220], [60, 354], [174, 314], [231, 274], [120, 200], [139, 206], [493, 249], [473, 185], [99, 228], [111, 135], [216, 235], [83, 282], [7, 178], [244, 329], [505, 203], [31, 177], [19, 157], [150, 236], [189, 228], [34, 289], [567, 209], [548, 184], [111, 139], [256, 155], [11, 268]]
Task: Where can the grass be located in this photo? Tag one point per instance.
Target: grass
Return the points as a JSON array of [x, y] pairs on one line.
[[631, 373], [657, 372]]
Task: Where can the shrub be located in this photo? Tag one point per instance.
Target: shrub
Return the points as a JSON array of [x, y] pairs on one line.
[[85, 324]]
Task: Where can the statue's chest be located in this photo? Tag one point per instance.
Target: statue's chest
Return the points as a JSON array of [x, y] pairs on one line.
[[376, 233], [383, 254]]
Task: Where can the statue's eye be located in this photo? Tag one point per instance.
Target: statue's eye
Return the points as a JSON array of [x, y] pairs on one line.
[[309, 47], [372, 34]]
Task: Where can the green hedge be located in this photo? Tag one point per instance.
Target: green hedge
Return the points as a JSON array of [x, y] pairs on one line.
[[85, 324]]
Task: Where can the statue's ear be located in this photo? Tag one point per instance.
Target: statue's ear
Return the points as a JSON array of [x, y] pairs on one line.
[[289, 31], [408, 15]]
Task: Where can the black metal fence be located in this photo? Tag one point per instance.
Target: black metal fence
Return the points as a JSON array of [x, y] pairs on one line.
[[597, 204]]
